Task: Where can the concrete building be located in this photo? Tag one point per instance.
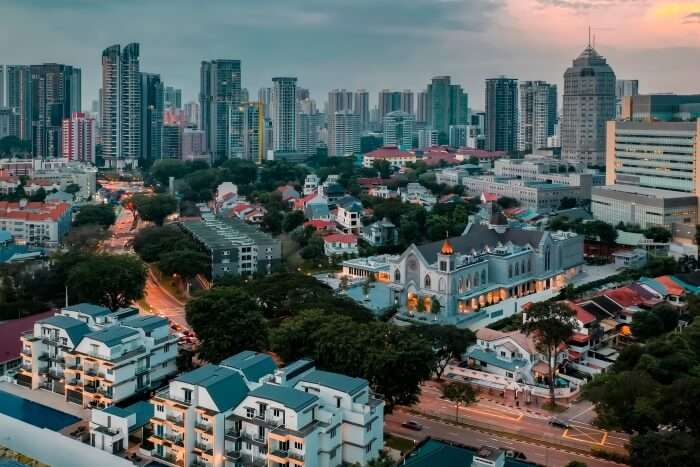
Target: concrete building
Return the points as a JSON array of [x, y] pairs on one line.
[[459, 136], [399, 128], [284, 114], [19, 84], [152, 107], [646, 207], [36, 223], [589, 102], [253, 132], [220, 91], [12, 331], [63, 172], [349, 214], [343, 134], [308, 132], [246, 411], [660, 107], [396, 157], [427, 137], [112, 427], [8, 122], [624, 88], [339, 100], [194, 143], [549, 170], [361, 108], [661, 155], [380, 233], [79, 138], [172, 97], [488, 263], [447, 104], [2, 85], [422, 103], [171, 142], [95, 357], [501, 128], [235, 247], [537, 114]]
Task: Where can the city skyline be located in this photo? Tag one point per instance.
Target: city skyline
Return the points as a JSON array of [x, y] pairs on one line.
[[470, 40]]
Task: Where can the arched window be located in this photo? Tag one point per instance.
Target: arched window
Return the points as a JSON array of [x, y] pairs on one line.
[[510, 271], [529, 265], [441, 284], [522, 267], [426, 281], [397, 275], [476, 280], [483, 277], [547, 258], [517, 269]]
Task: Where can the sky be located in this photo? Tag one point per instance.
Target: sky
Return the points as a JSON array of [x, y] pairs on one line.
[[371, 44]]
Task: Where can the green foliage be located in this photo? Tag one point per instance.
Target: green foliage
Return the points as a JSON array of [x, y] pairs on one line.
[[150, 243], [185, 263], [576, 464], [292, 220], [658, 234], [154, 208], [110, 280], [12, 145], [668, 449], [448, 342], [226, 321], [659, 320], [85, 237], [95, 214], [72, 188], [459, 393], [506, 202], [38, 196], [567, 203], [383, 167]]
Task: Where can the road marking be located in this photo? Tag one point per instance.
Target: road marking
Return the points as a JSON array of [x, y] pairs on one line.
[[489, 414], [605, 438]]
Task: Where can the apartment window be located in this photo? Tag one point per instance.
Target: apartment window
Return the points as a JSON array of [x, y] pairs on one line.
[[368, 428], [276, 412], [110, 371], [188, 395], [164, 365], [333, 433], [369, 447], [160, 408], [250, 412], [337, 402], [167, 348], [298, 446]]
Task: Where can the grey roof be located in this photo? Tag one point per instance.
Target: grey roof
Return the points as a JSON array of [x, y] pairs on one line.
[[59, 196], [216, 233], [75, 329], [478, 237], [350, 203], [224, 385], [253, 365], [112, 335], [89, 309], [336, 381], [291, 398], [148, 323]]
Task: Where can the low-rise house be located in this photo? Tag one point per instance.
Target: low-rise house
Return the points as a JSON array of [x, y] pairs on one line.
[[321, 226], [381, 233], [392, 154], [36, 223], [331, 189], [250, 213], [226, 196], [9, 184], [113, 427], [636, 258], [311, 183], [340, 244], [349, 214], [416, 193], [317, 209], [510, 354], [382, 191], [95, 357], [246, 411], [289, 193], [11, 345]]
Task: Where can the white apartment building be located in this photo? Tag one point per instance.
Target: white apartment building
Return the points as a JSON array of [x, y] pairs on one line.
[[95, 357], [36, 223], [395, 156], [547, 169], [416, 193], [343, 134], [349, 214], [246, 412], [311, 183]]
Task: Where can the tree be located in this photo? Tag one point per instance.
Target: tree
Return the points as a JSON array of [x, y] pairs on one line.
[[567, 203], [448, 343], [459, 393], [292, 220], [366, 287], [150, 243], [110, 280], [185, 263], [72, 188], [155, 207], [506, 202], [226, 321], [272, 223], [85, 237], [659, 320], [576, 464], [420, 304], [95, 214], [551, 324], [438, 227], [12, 145], [435, 305], [669, 449], [383, 167], [38, 196], [658, 234]]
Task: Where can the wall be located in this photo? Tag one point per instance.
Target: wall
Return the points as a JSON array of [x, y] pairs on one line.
[[51, 447]]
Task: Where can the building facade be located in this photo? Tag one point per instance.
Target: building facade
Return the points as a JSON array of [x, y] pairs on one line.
[[660, 107], [36, 223], [488, 263], [284, 113], [537, 114], [79, 138], [152, 107], [501, 128], [343, 134], [624, 88], [19, 91], [220, 91], [446, 104], [95, 357], [253, 132], [589, 103], [399, 128], [361, 108], [120, 120], [171, 142]]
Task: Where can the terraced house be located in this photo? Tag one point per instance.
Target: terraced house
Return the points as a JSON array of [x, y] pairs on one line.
[[95, 357], [247, 412]]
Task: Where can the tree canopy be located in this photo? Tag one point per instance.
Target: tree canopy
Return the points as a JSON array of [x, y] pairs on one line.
[[155, 207], [95, 214]]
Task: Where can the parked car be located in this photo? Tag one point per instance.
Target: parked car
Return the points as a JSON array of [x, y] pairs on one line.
[[516, 454], [559, 423], [412, 425]]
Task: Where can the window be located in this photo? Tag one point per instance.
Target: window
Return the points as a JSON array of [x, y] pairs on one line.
[[510, 271], [250, 412], [426, 281], [517, 269], [160, 408], [397, 275], [369, 447], [298, 446], [276, 412], [442, 284], [167, 348], [483, 277], [188, 395], [333, 433]]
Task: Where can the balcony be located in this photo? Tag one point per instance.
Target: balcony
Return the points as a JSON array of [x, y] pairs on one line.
[[26, 351], [26, 367], [141, 370], [296, 456], [252, 462], [179, 421], [169, 458], [280, 453], [165, 394], [197, 463], [43, 356], [255, 439], [203, 447], [43, 370], [92, 389], [74, 366], [233, 455], [174, 438], [55, 373], [91, 372], [111, 431], [233, 434], [203, 426]]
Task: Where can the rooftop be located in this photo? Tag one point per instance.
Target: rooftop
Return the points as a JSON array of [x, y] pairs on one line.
[[225, 233], [147, 322], [434, 452], [111, 336], [337, 381], [224, 385], [89, 309], [291, 398], [75, 329], [143, 411], [254, 365]]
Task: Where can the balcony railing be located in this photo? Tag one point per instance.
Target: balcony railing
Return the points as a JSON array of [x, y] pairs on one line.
[[26, 367], [180, 421], [197, 463], [202, 447], [74, 366], [91, 371], [165, 394], [43, 370], [177, 439], [167, 457], [43, 356], [203, 426], [296, 456], [280, 453], [233, 455], [141, 370], [90, 388], [233, 433], [26, 351]]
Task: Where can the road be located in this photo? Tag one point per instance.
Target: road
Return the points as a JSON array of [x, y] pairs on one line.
[[541, 454]]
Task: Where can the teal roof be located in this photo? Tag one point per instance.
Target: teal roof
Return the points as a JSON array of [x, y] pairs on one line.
[[336, 381], [492, 359], [629, 238], [291, 398], [89, 309], [253, 365], [224, 385], [434, 452], [112, 335], [143, 411], [12, 253], [148, 323], [654, 284], [5, 236], [75, 329]]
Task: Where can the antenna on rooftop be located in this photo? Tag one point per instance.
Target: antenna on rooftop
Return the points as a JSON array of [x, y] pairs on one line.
[[589, 35]]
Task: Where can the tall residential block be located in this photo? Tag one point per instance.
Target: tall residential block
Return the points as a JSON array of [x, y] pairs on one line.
[[589, 103], [447, 104], [361, 107], [172, 97], [537, 114], [253, 133], [399, 128], [171, 142], [624, 88], [284, 113], [308, 128], [343, 134], [19, 92], [501, 114], [121, 105], [152, 106], [220, 91], [339, 100], [79, 138], [2, 85], [192, 114], [422, 107]]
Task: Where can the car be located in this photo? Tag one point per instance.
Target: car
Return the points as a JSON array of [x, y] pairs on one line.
[[412, 425], [559, 423], [515, 454]]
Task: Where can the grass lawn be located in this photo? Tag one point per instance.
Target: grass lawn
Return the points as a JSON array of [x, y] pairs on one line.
[[396, 442]]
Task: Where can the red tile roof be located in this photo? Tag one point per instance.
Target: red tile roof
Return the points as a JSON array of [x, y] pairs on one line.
[[10, 331], [388, 152], [340, 238], [320, 224], [480, 153], [489, 197], [671, 285], [624, 296], [370, 181], [33, 211], [582, 314]]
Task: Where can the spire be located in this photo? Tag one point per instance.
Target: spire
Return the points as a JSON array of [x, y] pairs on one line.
[[589, 35], [446, 247]]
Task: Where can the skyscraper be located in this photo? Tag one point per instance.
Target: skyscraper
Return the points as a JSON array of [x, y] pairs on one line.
[[172, 142], [361, 108], [422, 107], [192, 114], [79, 138], [121, 105], [308, 127], [398, 129], [624, 88], [501, 114], [284, 113], [51, 103], [220, 91], [589, 102], [265, 97], [339, 100], [2, 85], [406, 103], [447, 104], [152, 106], [343, 134], [172, 97], [537, 114], [253, 134], [19, 84]]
